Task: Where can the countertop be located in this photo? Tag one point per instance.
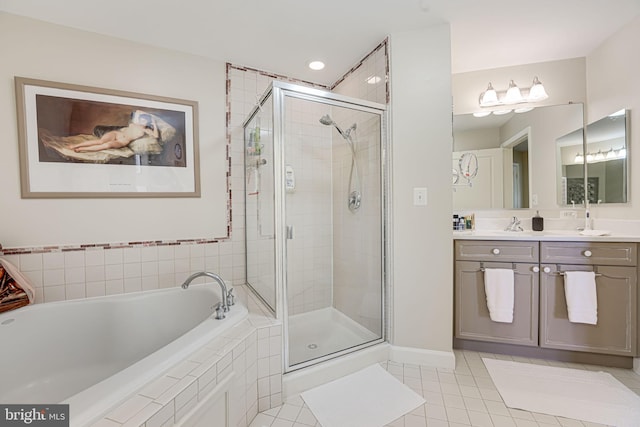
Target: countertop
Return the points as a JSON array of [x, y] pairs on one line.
[[547, 235]]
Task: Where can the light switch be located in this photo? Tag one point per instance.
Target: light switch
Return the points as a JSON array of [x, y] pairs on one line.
[[420, 196]]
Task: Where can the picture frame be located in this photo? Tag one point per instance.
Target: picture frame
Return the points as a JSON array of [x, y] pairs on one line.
[[88, 142]]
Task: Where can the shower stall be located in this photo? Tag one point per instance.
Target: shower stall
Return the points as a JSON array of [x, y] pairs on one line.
[[315, 188]]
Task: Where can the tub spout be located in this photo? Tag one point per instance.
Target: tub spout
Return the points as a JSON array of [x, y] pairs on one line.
[[223, 287]]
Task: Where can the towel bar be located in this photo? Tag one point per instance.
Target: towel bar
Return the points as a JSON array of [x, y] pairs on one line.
[[561, 273], [513, 266]]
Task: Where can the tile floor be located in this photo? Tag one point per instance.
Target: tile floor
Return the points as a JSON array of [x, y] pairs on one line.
[[462, 397]]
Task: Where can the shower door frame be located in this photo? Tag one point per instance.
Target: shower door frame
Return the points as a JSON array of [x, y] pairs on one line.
[[279, 91]]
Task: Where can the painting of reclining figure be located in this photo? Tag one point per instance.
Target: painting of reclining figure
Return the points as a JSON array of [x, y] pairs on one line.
[[79, 141], [98, 132]]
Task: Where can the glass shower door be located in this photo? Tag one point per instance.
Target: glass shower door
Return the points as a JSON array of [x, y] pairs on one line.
[[259, 203], [333, 222]]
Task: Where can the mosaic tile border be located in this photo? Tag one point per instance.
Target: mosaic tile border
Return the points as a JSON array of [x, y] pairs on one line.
[[106, 246]]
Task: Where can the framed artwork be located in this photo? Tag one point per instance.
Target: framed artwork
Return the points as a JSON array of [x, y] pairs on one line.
[[80, 141]]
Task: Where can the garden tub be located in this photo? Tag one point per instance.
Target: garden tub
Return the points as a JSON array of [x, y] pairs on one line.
[[94, 353]]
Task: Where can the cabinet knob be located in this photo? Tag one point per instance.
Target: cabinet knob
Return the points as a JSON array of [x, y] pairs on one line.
[[536, 269], [495, 251], [587, 253], [547, 270]]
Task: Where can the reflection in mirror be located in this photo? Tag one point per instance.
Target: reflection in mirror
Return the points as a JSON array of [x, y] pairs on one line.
[[571, 168], [607, 164], [515, 155]]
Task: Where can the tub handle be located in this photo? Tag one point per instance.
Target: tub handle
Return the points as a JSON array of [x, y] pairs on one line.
[[219, 311], [231, 299]]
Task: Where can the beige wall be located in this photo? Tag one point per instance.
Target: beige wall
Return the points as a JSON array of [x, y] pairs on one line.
[[39, 50], [613, 84], [421, 140]]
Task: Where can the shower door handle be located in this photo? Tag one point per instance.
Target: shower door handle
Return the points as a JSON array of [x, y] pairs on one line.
[[289, 232]]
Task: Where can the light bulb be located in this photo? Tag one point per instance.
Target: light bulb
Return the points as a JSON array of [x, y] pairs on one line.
[[611, 154], [579, 158], [537, 92], [513, 95], [599, 156], [489, 97]]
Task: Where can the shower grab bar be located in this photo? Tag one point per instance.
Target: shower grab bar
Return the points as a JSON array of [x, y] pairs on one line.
[[289, 232]]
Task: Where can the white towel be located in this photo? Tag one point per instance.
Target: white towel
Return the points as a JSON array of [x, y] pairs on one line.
[[581, 296], [498, 285]]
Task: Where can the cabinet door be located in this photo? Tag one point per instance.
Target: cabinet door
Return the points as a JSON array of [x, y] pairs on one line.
[[615, 332], [472, 319]]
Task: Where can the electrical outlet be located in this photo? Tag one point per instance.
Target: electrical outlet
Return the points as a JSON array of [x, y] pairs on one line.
[[569, 214]]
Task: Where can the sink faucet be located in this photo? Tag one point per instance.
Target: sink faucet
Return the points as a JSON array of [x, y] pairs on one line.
[[515, 225], [223, 306], [587, 216]]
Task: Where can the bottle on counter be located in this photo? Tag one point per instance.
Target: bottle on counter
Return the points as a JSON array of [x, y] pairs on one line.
[[537, 222]]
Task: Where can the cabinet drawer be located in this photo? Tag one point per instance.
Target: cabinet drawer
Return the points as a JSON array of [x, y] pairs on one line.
[[496, 251], [588, 253]]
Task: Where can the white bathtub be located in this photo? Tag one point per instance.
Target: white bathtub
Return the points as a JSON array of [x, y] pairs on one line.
[[94, 353]]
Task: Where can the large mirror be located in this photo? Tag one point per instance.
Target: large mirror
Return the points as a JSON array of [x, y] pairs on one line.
[[515, 156], [604, 159]]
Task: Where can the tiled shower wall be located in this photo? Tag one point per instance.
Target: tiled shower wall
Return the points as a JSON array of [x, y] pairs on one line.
[[358, 236]]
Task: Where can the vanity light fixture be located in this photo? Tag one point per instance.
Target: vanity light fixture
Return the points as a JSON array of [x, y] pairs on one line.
[[600, 156], [316, 65], [513, 95]]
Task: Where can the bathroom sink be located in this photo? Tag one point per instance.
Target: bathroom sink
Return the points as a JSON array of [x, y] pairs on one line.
[[528, 233]]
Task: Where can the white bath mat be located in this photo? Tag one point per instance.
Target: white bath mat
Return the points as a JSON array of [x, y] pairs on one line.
[[368, 398], [571, 393]]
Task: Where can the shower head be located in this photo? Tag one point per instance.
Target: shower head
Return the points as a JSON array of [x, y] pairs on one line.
[[328, 121]]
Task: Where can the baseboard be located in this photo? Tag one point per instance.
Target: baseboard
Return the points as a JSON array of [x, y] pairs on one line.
[[418, 356]]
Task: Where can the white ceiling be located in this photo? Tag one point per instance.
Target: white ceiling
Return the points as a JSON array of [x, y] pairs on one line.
[[282, 36]]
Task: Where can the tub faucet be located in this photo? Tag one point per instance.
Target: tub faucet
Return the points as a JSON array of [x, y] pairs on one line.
[[515, 225], [221, 305]]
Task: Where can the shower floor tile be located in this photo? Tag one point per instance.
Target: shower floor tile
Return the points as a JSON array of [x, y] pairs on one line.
[[466, 397]]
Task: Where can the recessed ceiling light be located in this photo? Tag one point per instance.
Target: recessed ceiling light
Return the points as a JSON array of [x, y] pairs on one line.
[[316, 65], [372, 80]]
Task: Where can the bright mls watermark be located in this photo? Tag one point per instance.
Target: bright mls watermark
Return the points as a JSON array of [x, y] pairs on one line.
[[34, 415]]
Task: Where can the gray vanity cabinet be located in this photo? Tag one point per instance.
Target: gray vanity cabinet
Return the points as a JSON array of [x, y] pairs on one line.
[[472, 321], [616, 287]]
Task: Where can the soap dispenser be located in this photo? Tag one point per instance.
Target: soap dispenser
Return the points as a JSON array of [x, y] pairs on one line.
[[537, 222]]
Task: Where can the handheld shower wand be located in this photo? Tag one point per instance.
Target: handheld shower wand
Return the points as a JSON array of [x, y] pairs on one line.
[[355, 195]]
